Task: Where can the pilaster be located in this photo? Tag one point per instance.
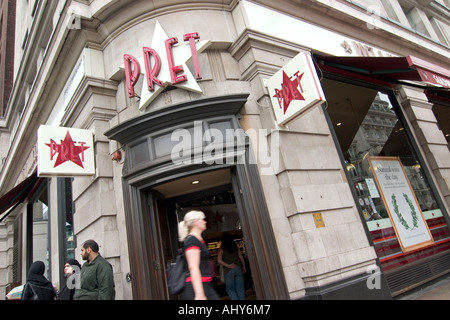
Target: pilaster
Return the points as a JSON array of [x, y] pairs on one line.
[[307, 179], [431, 140]]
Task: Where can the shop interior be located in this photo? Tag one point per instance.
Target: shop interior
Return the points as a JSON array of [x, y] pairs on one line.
[[442, 114], [212, 193], [367, 124]]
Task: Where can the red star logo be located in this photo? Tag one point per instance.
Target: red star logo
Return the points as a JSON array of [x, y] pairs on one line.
[[67, 151], [289, 90]]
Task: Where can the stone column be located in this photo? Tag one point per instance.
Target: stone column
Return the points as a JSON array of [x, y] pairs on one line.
[[431, 140], [319, 262]]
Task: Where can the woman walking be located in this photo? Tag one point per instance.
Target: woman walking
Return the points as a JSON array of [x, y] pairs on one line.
[[198, 283]]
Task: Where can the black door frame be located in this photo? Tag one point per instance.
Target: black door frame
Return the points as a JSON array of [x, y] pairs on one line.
[[140, 176]]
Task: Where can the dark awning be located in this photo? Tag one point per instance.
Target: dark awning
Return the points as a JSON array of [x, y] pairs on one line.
[[18, 194], [390, 69], [438, 96]]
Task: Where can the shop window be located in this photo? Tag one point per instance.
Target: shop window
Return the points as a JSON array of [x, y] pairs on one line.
[[17, 251], [139, 152], [163, 145], [220, 131], [67, 218], [367, 125], [442, 114], [39, 244]]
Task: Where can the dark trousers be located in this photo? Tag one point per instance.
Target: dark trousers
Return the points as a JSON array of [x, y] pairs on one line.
[[188, 292]]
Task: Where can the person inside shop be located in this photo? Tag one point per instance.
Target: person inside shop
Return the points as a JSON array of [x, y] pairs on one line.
[[198, 283], [72, 268], [230, 257], [38, 287], [213, 272], [96, 277]]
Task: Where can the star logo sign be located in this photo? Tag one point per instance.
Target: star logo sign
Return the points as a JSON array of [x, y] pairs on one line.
[[67, 150], [294, 89], [289, 90], [165, 63]]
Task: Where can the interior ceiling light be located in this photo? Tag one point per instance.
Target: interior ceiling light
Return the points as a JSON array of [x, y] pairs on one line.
[[338, 124], [195, 182]]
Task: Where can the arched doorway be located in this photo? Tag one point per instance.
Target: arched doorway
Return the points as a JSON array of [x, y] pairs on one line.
[[151, 173], [211, 192]]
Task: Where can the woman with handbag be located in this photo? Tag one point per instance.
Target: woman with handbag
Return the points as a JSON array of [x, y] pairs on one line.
[[198, 283]]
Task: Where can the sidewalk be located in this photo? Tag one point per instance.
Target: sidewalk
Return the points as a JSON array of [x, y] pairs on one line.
[[438, 290]]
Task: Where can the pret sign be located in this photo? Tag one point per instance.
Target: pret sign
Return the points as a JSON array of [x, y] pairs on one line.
[[164, 63], [65, 152], [295, 88]]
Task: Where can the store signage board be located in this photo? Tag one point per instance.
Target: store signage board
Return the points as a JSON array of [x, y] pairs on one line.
[[65, 152], [401, 203], [434, 78], [295, 89], [164, 63], [274, 23]]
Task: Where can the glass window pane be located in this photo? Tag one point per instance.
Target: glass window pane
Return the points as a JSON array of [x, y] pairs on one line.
[[140, 153], [70, 239], [442, 114], [40, 231], [219, 132], [177, 142], [366, 125], [163, 145]]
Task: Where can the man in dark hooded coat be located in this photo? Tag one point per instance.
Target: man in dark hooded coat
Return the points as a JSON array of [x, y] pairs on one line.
[[37, 286]]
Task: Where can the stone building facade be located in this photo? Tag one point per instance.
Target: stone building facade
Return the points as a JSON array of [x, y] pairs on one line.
[[298, 198]]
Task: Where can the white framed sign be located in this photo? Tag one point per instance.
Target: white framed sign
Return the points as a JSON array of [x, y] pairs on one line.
[[295, 88], [401, 203], [65, 152]]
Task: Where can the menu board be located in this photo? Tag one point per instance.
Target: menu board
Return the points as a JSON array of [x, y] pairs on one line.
[[401, 203]]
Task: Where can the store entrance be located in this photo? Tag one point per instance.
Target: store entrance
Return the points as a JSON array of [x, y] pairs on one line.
[[212, 193]]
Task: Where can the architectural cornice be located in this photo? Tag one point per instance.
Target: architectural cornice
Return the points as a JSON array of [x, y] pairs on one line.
[[111, 21]]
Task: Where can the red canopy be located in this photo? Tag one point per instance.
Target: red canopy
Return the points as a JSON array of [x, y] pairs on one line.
[[19, 193], [390, 68]]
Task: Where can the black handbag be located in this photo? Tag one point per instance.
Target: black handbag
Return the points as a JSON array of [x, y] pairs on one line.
[[177, 274]]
